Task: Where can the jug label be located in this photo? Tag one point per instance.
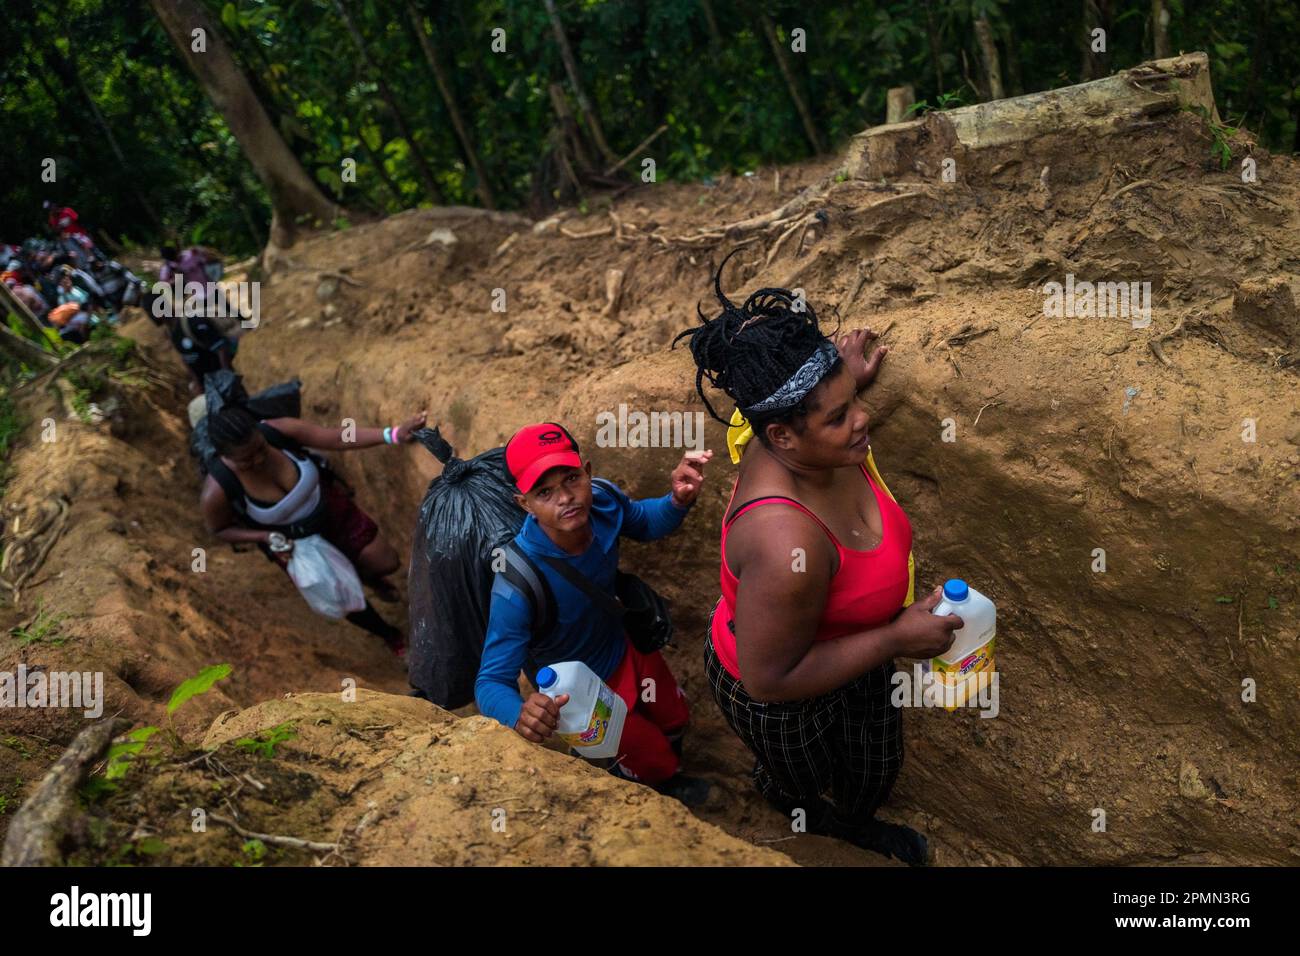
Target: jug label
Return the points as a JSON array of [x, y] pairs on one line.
[[594, 735], [955, 675]]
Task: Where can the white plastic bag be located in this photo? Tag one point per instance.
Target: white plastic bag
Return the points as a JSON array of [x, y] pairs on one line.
[[325, 578]]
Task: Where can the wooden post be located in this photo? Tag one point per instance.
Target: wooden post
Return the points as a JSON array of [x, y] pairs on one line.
[[898, 100]]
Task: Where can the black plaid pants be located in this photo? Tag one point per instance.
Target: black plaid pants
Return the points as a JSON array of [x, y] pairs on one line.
[[835, 756]]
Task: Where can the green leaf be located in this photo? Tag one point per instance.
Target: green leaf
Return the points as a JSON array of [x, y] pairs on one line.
[[201, 683], [230, 17], [150, 846], [121, 755], [141, 734]]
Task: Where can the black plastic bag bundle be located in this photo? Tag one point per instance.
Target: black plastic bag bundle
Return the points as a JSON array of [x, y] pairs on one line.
[[468, 511], [224, 388]]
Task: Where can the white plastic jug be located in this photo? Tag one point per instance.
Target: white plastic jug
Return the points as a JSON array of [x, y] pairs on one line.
[[591, 721], [968, 664]]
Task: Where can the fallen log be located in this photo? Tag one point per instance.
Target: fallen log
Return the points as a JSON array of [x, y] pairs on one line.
[[1100, 107], [39, 825], [19, 308]]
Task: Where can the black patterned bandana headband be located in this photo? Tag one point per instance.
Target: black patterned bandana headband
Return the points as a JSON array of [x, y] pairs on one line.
[[796, 388]]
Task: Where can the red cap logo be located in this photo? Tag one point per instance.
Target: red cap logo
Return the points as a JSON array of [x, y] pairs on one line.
[[536, 449]]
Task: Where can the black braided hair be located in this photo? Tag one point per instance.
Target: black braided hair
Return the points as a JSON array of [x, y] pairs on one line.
[[749, 351], [231, 427]]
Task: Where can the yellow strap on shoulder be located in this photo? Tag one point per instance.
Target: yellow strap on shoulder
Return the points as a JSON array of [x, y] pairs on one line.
[[911, 557], [738, 436]]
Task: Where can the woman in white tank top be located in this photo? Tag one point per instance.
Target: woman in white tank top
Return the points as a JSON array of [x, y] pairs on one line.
[[282, 489]]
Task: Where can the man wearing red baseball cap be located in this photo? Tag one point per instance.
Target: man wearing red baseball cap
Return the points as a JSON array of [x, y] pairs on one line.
[[576, 522]]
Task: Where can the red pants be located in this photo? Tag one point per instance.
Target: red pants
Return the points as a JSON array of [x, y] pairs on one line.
[[656, 710]]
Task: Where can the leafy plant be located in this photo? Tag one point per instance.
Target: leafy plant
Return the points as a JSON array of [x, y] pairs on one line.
[[121, 755], [11, 425], [10, 797], [200, 683], [43, 628], [136, 850], [1220, 134], [13, 743], [944, 101], [264, 743]]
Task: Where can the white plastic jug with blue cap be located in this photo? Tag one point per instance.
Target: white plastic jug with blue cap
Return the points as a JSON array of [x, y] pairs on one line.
[[960, 667], [591, 720]]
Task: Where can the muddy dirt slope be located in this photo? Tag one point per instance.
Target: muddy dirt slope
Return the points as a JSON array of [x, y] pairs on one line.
[[1160, 690]]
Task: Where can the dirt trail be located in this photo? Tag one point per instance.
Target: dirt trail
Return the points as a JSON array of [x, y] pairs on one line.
[[1121, 691]]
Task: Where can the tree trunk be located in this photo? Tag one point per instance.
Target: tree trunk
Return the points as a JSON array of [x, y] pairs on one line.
[[293, 193], [1096, 13], [572, 136], [810, 130], [1160, 29], [715, 35], [584, 104], [385, 91], [1259, 56], [1013, 82], [484, 189], [377, 161], [936, 52], [989, 54]]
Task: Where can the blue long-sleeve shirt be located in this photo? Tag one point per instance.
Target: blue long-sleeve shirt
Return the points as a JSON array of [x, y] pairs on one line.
[[582, 631]]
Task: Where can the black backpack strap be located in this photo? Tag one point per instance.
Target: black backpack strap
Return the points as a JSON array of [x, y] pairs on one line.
[[230, 484], [278, 439], [526, 578], [314, 523], [602, 599]]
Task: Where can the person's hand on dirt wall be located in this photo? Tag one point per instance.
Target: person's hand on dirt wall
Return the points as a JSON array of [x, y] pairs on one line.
[[853, 350]]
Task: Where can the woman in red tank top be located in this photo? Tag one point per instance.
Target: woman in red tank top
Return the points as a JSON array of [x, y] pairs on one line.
[[814, 573]]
